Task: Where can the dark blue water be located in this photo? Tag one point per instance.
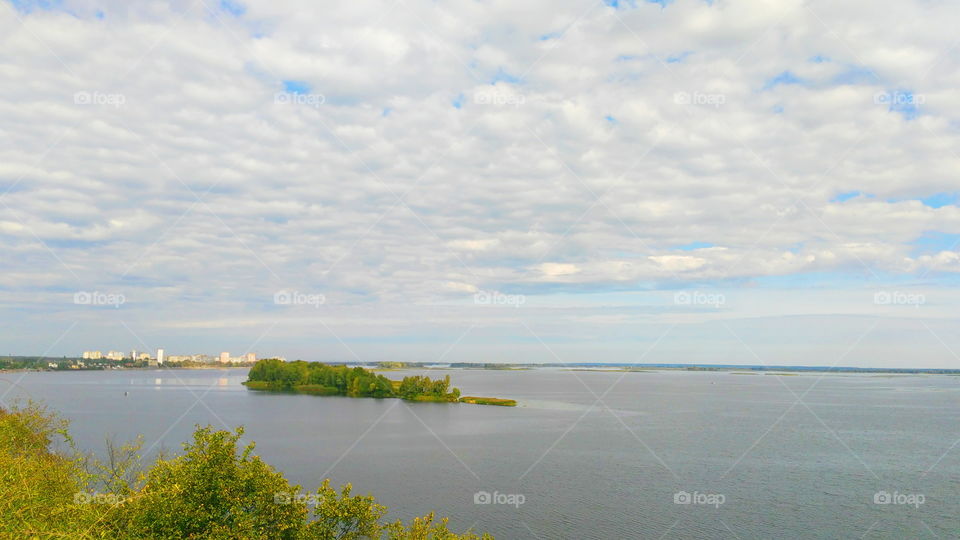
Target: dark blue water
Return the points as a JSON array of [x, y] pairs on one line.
[[588, 454]]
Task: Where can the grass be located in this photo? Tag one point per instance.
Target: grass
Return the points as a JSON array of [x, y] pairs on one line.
[[489, 401], [433, 399], [258, 385], [316, 389]]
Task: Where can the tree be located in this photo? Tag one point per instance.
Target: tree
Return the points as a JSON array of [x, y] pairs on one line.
[[39, 486], [344, 516], [211, 491]]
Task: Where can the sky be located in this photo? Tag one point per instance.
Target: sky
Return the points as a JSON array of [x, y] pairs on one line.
[[731, 182]]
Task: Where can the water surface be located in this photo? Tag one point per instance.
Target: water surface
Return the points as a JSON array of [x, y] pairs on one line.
[[593, 454]]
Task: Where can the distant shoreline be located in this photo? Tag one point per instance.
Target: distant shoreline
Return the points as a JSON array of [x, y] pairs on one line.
[[639, 368], [150, 368], [593, 366]]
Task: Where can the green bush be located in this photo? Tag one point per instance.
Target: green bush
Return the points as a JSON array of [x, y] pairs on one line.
[[213, 490], [317, 389]]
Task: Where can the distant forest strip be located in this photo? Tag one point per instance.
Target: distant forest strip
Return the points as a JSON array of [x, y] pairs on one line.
[[328, 380], [42, 363]]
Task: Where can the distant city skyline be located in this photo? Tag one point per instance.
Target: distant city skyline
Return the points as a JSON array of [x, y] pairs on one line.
[[161, 356]]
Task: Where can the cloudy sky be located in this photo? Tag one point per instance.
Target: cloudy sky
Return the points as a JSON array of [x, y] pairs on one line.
[[749, 182]]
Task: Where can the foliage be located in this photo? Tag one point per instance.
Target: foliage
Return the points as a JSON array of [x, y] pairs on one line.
[[312, 376], [37, 485], [364, 521], [488, 401], [392, 365], [318, 378], [415, 386], [213, 490]]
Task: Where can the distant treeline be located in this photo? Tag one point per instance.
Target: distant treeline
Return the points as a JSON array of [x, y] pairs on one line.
[[324, 379], [66, 363], [30, 362], [688, 367]]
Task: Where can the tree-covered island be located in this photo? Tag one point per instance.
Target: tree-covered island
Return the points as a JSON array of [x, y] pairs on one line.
[[328, 380]]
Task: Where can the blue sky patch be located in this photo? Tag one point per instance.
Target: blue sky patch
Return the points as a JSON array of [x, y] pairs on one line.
[[458, 101], [901, 101], [855, 75], [935, 242], [502, 75], [233, 7], [695, 245], [784, 78], [622, 4], [28, 6], [843, 197], [296, 87], [940, 200]]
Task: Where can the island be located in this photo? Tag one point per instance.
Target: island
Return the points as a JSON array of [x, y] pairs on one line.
[[339, 380]]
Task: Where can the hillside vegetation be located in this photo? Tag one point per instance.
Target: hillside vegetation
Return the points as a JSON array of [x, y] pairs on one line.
[[212, 490]]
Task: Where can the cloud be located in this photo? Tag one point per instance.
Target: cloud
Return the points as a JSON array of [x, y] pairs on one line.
[[200, 159]]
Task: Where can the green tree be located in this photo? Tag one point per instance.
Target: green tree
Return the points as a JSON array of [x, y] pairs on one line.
[[212, 491], [39, 486]]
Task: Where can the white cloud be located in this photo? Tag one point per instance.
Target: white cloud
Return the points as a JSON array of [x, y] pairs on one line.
[[184, 183]]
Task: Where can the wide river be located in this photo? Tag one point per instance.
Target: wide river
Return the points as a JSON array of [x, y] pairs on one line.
[[587, 454]]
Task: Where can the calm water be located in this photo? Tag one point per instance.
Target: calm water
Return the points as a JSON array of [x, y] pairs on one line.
[[585, 469]]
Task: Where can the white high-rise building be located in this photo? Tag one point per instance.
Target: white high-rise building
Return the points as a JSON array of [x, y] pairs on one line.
[[224, 357], [160, 357]]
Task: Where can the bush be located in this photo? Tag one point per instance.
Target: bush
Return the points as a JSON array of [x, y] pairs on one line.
[[213, 490]]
